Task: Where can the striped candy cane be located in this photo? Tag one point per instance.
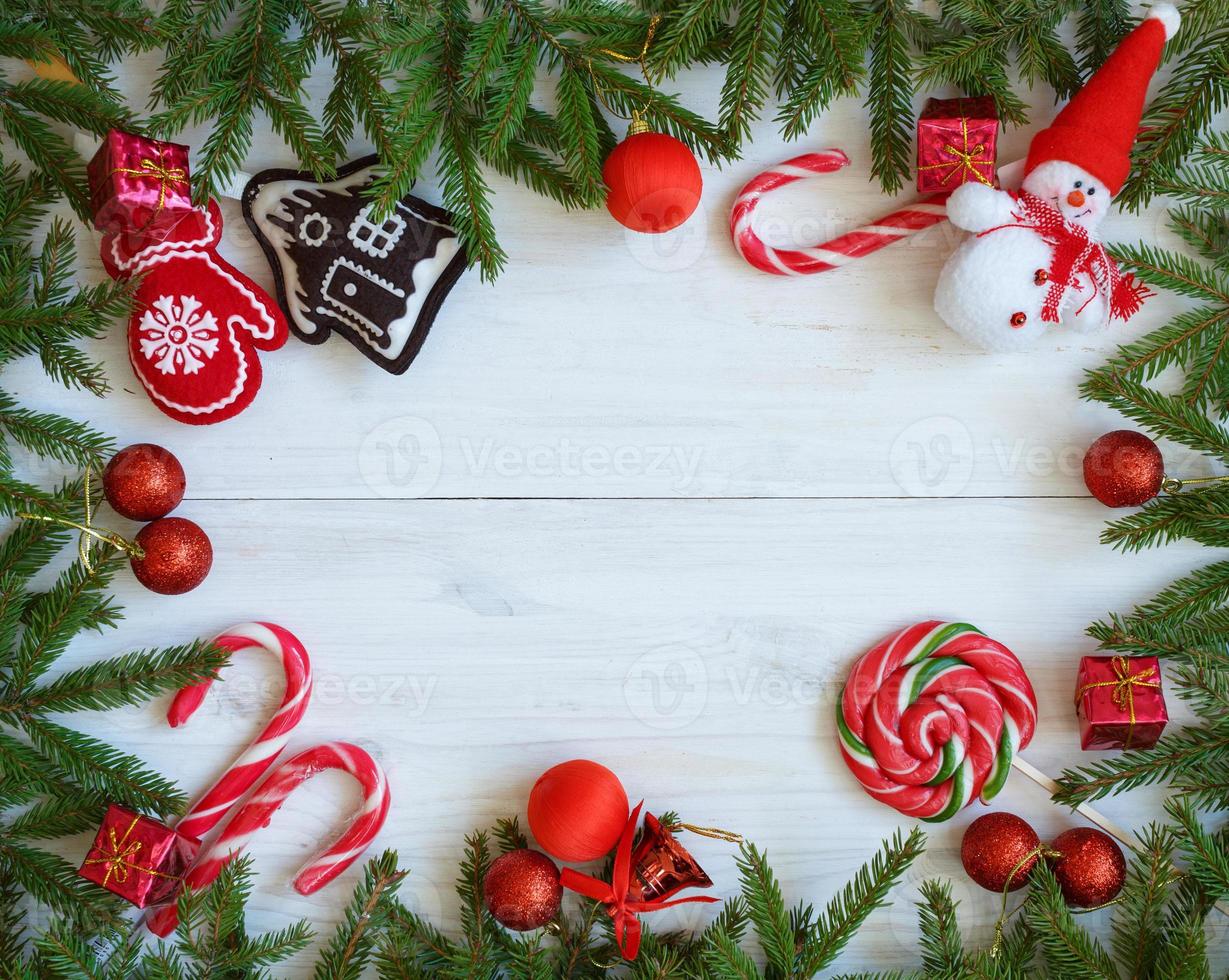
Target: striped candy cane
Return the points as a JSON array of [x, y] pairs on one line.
[[931, 718], [256, 812], [216, 801], [833, 253], [242, 774]]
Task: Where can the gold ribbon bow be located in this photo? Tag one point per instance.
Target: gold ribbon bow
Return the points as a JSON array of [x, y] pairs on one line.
[[1123, 688], [966, 160], [118, 856], [155, 168]]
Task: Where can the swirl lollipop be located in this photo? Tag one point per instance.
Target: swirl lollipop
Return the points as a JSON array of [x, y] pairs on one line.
[[933, 717]]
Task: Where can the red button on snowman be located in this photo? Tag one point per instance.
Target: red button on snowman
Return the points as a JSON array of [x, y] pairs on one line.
[[1033, 261]]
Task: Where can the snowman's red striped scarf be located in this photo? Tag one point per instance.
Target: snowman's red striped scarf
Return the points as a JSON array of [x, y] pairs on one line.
[[1074, 252]]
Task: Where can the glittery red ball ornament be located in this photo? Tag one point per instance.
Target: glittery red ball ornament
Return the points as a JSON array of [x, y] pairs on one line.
[[143, 482], [522, 890], [1091, 870], [177, 556], [577, 810], [653, 181], [1123, 469], [999, 846]]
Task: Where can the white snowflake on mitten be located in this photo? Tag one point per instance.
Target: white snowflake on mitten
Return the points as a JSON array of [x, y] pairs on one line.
[[178, 334]]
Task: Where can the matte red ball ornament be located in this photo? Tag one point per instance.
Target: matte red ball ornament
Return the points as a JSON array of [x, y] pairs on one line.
[[143, 482], [177, 556], [1124, 469], [653, 181], [997, 847], [522, 890], [1092, 868], [577, 810]]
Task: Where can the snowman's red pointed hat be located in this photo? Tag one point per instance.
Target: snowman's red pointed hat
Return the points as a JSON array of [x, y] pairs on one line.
[[1096, 128]]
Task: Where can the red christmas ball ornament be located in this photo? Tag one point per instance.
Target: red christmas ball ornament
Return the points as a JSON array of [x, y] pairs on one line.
[[1091, 870], [176, 556], [653, 180], [577, 810], [522, 890], [998, 847], [143, 482], [1124, 469]]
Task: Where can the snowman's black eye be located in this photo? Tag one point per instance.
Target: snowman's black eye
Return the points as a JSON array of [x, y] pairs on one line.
[[1079, 183], [1092, 190]]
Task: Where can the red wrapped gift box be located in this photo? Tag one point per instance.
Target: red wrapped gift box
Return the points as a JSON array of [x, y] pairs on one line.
[[139, 184], [956, 142], [138, 859], [1119, 702]]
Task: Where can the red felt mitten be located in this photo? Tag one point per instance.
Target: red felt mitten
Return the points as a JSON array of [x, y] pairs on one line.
[[198, 321]]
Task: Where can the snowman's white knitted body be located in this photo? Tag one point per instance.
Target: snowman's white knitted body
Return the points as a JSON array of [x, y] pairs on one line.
[[992, 288]]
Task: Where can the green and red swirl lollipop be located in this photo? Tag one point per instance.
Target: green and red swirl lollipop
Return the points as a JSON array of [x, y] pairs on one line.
[[931, 718]]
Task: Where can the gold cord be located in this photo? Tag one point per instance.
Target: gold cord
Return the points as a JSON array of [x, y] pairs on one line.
[[88, 531], [638, 125], [1041, 850], [716, 833]]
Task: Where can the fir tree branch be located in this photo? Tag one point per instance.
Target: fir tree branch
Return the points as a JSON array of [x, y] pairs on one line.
[[1198, 514], [766, 909], [1168, 416], [942, 947], [867, 891], [131, 679], [1139, 913], [59, 815], [346, 955], [1173, 756], [119, 777], [1068, 949], [1207, 856]]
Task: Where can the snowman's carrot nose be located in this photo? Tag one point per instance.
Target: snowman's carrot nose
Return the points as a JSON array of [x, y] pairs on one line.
[[837, 251], [1075, 198]]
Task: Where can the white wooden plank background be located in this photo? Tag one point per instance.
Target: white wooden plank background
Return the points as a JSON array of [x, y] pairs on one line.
[[639, 503]]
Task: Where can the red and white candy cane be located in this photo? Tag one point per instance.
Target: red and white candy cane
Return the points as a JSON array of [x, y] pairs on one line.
[[213, 805], [268, 798], [836, 252], [216, 801]]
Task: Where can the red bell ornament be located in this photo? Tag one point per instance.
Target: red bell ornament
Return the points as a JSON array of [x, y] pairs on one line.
[[653, 180], [661, 866], [619, 896]]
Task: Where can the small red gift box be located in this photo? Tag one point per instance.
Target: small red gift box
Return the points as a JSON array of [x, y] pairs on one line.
[[1119, 702], [956, 143], [139, 184], [138, 859]]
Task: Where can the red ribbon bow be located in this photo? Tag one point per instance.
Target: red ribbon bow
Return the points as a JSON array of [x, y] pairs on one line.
[[616, 895]]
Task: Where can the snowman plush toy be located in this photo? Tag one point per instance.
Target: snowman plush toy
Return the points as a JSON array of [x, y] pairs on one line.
[[1033, 261]]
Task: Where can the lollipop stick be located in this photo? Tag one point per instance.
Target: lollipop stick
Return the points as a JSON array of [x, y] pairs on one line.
[[1051, 787]]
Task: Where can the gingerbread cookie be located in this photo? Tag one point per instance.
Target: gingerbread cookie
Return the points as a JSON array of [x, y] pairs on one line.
[[197, 322], [377, 283]]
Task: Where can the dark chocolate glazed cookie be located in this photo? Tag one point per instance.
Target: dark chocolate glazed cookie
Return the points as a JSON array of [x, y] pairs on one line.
[[377, 283]]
